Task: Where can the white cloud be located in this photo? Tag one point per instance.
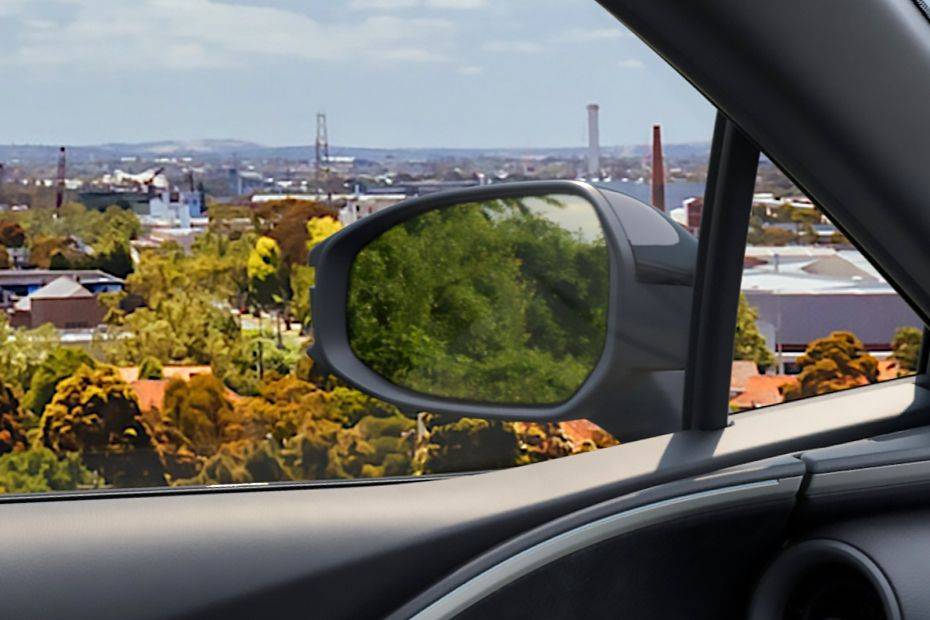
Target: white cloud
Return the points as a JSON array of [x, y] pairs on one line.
[[593, 34], [513, 47], [147, 34], [630, 63]]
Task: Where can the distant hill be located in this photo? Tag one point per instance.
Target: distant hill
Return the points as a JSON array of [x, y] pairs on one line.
[[227, 149]]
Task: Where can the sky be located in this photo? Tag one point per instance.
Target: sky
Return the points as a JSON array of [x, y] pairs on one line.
[[388, 73]]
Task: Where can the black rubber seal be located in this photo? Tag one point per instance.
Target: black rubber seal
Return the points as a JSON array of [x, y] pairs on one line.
[[924, 7]]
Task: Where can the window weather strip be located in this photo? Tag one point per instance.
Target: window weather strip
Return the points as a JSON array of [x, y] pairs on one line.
[[731, 181], [924, 7]]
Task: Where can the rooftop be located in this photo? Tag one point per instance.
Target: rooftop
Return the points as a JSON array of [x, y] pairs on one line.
[[13, 277]]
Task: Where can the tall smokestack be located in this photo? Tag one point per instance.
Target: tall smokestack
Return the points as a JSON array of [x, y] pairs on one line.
[[60, 191], [658, 169], [594, 142]]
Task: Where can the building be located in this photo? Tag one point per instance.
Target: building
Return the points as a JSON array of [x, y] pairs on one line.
[[63, 302], [176, 206], [805, 292], [19, 283]]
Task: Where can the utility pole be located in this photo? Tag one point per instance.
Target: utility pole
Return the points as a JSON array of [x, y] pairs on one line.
[[2, 171], [322, 145], [60, 189]]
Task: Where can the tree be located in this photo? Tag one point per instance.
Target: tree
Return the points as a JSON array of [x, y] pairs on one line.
[[60, 364], [269, 285], [837, 362], [94, 413], [55, 253], [906, 347], [187, 327], [465, 445], [484, 300], [114, 258], [150, 368], [749, 343], [773, 235], [303, 276], [264, 269], [291, 226], [12, 431], [202, 412], [40, 470], [12, 235], [320, 228], [376, 447], [24, 350]]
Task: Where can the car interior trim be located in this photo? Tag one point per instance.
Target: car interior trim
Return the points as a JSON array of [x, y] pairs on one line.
[[592, 533]]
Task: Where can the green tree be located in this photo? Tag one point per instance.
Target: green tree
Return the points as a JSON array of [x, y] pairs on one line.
[[749, 343], [23, 351], [264, 270], [60, 364], [376, 447], [269, 284], [114, 258], [837, 362], [464, 445], [189, 327], [12, 431], [12, 235], [202, 412], [489, 300], [150, 368], [40, 470], [94, 413], [773, 235], [906, 347]]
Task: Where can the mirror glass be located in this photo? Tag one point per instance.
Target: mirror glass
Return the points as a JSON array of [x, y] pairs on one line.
[[500, 301]]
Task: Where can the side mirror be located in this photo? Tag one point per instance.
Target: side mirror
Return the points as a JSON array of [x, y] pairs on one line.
[[538, 302]]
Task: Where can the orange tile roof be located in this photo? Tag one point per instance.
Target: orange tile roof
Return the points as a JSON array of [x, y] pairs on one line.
[[185, 372], [150, 393], [581, 430], [741, 371], [131, 373], [761, 391], [888, 369]]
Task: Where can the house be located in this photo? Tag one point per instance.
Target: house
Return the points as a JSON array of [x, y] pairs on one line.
[[18, 283], [63, 302]]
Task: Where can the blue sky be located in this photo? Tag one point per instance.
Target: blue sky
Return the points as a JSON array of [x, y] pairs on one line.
[[388, 73]]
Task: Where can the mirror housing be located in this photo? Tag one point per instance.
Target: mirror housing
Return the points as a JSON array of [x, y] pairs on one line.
[[636, 388]]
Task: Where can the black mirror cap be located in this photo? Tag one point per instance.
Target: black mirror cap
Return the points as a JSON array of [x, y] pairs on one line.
[[636, 388]]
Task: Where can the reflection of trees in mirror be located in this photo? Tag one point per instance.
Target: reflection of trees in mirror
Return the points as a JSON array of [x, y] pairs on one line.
[[502, 301]]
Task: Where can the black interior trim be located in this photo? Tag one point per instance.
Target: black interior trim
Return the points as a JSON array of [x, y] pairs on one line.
[[731, 182], [785, 468]]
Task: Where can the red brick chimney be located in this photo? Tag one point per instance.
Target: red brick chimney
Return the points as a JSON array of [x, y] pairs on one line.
[[658, 169]]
